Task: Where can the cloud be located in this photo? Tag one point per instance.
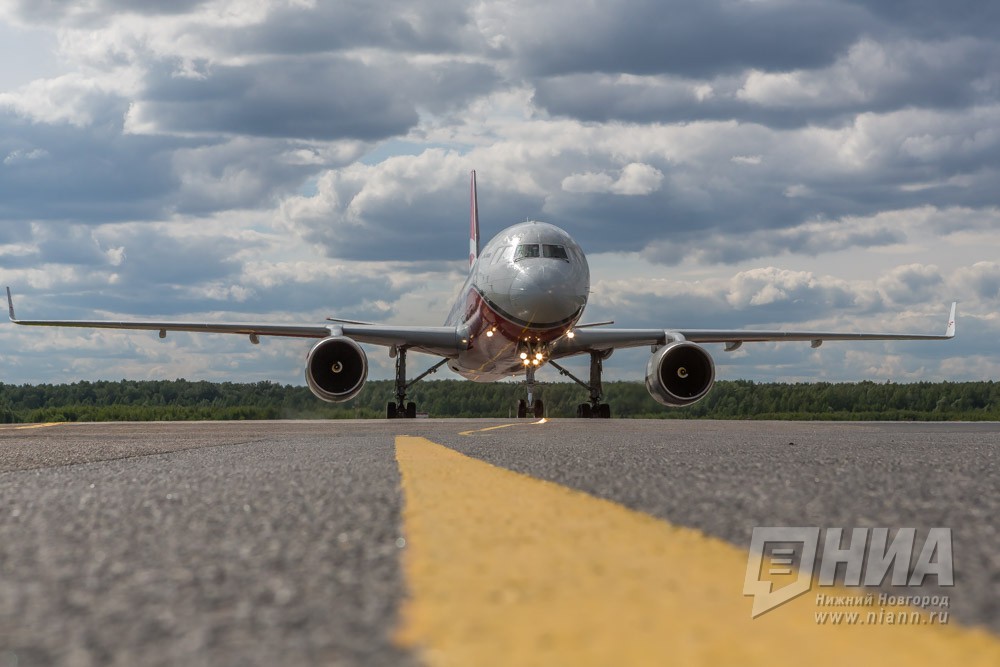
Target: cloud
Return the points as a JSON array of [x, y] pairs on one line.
[[982, 280], [439, 27], [723, 163], [327, 99], [870, 75], [647, 36], [770, 286], [634, 179], [912, 283]]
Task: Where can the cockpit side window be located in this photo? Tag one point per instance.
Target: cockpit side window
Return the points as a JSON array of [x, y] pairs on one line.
[[554, 251], [526, 250]]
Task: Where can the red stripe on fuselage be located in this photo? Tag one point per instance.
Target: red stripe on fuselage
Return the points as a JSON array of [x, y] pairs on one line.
[[481, 317], [490, 358]]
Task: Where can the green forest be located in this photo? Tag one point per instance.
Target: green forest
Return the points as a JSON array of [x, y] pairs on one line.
[[172, 400]]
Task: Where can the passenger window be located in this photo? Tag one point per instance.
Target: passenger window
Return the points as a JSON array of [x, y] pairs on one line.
[[526, 250], [555, 252]]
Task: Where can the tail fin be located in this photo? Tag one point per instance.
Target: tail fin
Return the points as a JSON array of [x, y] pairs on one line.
[[473, 224]]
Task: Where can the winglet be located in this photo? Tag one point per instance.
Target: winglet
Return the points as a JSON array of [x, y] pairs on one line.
[[10, 306], [473, 223], [950, 332]]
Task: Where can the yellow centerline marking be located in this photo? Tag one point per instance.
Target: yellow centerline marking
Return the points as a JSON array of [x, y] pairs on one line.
[[505, 569], [493, 428], [28, 426]]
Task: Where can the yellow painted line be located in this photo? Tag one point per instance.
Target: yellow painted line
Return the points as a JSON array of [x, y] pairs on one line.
[[504, 569], [28, 426], [493, 428]]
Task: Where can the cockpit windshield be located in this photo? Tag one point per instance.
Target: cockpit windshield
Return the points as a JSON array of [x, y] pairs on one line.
[[525, 251], [554, 251], [531, 251]]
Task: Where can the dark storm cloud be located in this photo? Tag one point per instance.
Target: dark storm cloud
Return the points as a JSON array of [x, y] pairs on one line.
[[699, 39], [931, 18], [58, 11], [949, 75], [154, 258], [98, 174], [693, 202], [317, 98], [68, 244], [440, 27], [14, 232]]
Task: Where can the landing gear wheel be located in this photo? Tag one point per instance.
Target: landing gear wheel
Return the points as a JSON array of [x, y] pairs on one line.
[[522, 409], [400, 409], [539, 408], [594, 408]]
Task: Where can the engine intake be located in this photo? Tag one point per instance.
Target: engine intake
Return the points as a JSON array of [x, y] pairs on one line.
[[336, 369], [679, 374]]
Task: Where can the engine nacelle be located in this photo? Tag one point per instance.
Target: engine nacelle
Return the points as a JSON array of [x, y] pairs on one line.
[[336, 369], [679, 374]]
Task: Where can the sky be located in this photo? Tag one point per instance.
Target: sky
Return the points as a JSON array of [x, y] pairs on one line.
[[726, 163]]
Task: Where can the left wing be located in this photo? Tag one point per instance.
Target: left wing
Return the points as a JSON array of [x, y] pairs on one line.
[[441, 341], [598, 339]]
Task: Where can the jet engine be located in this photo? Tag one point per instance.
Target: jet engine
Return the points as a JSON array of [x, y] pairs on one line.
[[679, 374], [336, 369]]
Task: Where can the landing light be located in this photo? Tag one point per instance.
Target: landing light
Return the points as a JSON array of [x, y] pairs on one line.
[[524, 355], [538, 355], [571, 335], [534, 361], [489, 334]]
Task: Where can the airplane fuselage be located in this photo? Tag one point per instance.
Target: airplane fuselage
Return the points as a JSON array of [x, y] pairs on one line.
[[526, 289]]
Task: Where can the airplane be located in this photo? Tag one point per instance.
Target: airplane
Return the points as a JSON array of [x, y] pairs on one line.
[[519, 309]]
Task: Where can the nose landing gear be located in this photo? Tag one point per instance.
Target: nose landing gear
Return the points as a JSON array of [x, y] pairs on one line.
[[533, 405]]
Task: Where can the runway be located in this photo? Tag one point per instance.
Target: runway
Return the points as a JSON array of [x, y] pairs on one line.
[[472, 542]]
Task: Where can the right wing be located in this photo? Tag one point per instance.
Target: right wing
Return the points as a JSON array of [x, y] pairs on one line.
[[441, 341], [601, 339]]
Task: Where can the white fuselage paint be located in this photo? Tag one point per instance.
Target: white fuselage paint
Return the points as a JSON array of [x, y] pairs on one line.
[[511, 305]]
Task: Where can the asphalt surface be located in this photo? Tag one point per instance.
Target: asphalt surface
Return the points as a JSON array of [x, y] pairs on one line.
[[280, 542]]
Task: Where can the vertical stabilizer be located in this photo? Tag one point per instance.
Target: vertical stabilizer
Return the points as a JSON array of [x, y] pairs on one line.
[[473, 224]]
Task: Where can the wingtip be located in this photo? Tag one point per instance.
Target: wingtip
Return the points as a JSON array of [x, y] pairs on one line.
[[10, 306], [950, 332]]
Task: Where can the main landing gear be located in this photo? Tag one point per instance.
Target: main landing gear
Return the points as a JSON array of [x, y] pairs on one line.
[[595, 408], [534, 405], [401, 409]]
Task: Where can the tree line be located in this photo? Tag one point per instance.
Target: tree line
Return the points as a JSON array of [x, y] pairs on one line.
[[177, 400]]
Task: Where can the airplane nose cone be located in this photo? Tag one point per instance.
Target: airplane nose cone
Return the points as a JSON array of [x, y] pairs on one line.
[[548, 292]]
